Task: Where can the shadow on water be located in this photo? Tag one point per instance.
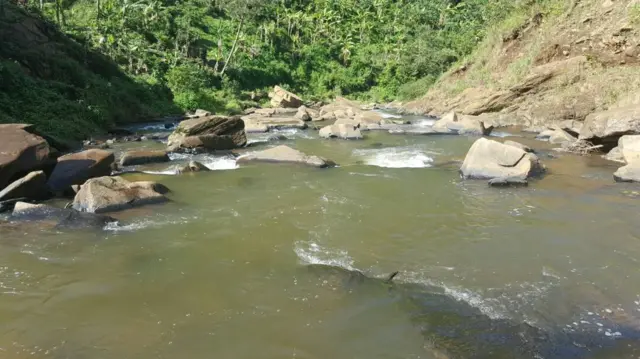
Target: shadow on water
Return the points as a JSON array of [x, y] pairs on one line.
[[453, 328]]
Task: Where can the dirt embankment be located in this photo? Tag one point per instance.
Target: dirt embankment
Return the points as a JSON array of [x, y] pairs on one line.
[[547, 66]]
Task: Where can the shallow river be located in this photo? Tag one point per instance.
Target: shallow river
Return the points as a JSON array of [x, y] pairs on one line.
[[221, 271]]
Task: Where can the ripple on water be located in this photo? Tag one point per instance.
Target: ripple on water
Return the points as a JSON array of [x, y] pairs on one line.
[[395, 157]]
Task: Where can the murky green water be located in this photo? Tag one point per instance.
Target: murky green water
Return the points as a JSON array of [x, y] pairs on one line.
[[220, 271]]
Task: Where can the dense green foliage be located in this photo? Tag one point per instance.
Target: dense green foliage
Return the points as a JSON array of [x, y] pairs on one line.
[[224, 54]]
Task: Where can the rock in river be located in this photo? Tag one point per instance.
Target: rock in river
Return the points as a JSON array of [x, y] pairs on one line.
[[76, 168], [58, 217], [462, 125], [285, 154], [108, 194], [208, 133], [347, 132], [607, 127], [21, 152], [628, 151], [33, 185], [488, 159], [283, 98], [132, 158], [192, 166]]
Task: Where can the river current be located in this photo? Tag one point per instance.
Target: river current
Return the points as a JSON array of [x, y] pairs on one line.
[[219, 271]]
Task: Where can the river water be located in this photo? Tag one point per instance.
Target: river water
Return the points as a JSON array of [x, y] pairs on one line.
[[219, 272]]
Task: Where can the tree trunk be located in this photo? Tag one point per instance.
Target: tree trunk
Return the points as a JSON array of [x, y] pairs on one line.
[[233, 48]]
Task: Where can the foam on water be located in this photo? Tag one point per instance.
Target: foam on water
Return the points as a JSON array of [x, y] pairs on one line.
[[143, 223], [396, 157], [387, 115], [313, 253], [214, 163], [424, 122]]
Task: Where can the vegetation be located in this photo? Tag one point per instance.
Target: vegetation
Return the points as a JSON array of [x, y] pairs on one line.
[[223, 55]]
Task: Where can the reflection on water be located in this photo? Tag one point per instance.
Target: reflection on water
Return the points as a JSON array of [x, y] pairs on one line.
[[216, 272]]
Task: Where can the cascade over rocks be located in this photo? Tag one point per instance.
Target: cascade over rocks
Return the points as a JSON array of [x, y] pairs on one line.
[[58, 217], [76, 168], [133, 158], [109, 194], [488, 159], [285, 154], [21, 151], [208, 133], [283, 98]]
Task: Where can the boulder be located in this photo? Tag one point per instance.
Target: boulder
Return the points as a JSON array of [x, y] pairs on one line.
[[285, 154], [488, 159], [303, 114], [133, 158], [629, 147], [275, 112], [58, 217], [208, 133], [192, 166], [615, 155], [508, 182], [561, 137], [607, 127], [519, 145], [572, 127], [462, 125], [251, 126], [21, 151], [108, 194], [256, 122], [283, 98], [346, 132], [33, 185], [76, 168], [545, 135], [628, 173]]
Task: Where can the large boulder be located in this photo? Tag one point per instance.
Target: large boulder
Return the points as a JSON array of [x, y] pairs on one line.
[[561, 137], [629, 147], [108, 194], [285, 154], [303, 114], [21, 151], [58, 217], [607, 127], [133, 158], [628, 151], [33, 185], [488, 159], [208, 133], [76, 168], [346, 132], [628, 173], [283, 98], [462, 125], [258, 123]]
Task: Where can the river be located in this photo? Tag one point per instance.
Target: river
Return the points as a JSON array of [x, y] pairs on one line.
[[219, 271]]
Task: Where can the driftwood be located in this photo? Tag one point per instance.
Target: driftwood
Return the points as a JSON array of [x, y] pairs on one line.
[[581, 147]]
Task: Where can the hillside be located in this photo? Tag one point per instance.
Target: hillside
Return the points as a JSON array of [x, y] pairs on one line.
[[65, 89], [559, 60]]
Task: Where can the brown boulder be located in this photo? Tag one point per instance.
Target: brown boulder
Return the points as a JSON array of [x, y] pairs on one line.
[[21, 152], [132, 158], [285, 154], [76, 168], [108, 194], [283, 98], [33, 185], [208, 133]]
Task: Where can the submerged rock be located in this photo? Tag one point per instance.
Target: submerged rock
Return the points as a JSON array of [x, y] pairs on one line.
[[346, 132], [192, 166], [108, 194], [508, 182], [488, 159], [208, 133], [283, 98], [33, 185], [58, 217], [133, 158], [76, 168], [21, 151], [285, 154]]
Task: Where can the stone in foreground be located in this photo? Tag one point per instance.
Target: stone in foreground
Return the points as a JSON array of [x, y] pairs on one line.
[[285, 154], [109, 194], [133, 158], [58, 217], [283, 98], [76, 168], [33, 185], [488, 159], [208, 133], [343, 131], [21, 152]]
